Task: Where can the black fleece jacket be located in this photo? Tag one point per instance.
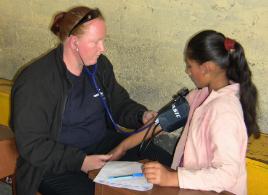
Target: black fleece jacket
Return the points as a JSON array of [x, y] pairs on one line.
[[38, 100]]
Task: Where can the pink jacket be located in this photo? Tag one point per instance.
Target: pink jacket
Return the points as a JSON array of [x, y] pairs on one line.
[[213, 143]]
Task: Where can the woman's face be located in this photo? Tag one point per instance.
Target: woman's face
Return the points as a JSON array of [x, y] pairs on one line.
[[196, 72], [91, 43]]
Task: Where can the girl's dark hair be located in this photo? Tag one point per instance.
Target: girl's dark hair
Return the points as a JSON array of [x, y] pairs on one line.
[[64, 22], [209, 45]]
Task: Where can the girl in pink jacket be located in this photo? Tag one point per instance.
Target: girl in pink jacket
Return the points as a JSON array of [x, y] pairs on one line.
[[211, 152]]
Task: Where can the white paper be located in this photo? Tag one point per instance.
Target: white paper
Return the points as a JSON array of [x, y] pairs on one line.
[[116, 168]]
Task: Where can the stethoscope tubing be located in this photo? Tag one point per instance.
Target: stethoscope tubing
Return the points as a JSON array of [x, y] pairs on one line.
[[105, 105]]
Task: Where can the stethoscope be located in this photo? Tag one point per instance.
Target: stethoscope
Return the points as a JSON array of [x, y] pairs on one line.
[[92, 76]]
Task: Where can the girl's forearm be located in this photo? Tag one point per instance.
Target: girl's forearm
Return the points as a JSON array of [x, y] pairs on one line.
[[137, 138]]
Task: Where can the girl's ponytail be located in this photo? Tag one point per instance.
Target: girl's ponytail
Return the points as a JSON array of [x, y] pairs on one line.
[[238, 71]]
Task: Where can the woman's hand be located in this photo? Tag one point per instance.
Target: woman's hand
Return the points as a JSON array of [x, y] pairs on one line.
[[118, 152], [148, 115], [92, 162], [156, 173]]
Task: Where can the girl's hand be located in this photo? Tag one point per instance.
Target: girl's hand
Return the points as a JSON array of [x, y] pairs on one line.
[[118, 152], [92, 162], [156, 173]]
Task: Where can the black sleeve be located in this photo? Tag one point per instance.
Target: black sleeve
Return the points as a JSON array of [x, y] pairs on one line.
[[33, 121], [127, 112]]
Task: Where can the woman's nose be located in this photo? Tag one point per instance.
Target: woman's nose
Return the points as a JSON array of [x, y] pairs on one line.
[[102, 47]]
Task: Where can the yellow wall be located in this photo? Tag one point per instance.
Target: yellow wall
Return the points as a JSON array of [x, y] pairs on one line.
[[145, 39]]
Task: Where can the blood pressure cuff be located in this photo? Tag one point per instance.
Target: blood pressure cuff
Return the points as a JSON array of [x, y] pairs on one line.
[[174, 115]]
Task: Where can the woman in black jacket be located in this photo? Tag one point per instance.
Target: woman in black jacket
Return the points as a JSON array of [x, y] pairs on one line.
[[59, 114]]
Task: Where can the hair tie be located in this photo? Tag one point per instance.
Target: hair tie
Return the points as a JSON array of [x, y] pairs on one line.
[[229, 44]]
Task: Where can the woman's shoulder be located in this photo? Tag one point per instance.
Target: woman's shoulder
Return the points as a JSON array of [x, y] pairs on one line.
[[40, 69]]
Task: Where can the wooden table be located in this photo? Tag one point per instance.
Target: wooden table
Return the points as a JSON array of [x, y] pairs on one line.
[[101, 189]]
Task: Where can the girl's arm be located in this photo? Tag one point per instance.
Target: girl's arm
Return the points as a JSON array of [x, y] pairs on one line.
[[156, 173], [131, 142]]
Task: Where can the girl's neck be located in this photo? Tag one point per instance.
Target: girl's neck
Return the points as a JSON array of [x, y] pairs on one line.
[[218, 81], [217, 86]]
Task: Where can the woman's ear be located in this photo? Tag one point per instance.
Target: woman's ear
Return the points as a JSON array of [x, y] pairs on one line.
[[73, 42]]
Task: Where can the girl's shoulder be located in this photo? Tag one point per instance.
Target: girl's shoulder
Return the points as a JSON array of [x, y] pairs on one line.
[[197, 95]]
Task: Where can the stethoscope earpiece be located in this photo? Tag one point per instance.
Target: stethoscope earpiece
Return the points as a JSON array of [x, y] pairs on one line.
[[76, 46]]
